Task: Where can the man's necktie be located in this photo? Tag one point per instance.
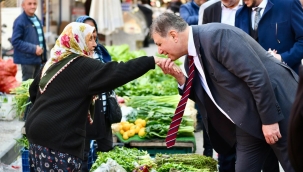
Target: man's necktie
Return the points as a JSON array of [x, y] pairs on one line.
[[257, 17], [174, 126]]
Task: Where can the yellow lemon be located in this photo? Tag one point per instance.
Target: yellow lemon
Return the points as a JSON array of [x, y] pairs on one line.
[[122, 132], [143, 123], [125, 136], [138, 121], [139, 125], [142, 132], [131, 133], [137, 128], [126, 127], [123, 122]]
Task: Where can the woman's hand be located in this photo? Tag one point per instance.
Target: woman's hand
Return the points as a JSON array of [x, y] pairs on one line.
[[169, 67]]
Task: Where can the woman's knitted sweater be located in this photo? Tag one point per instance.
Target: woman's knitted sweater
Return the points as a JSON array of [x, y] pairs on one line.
[[58, 117]]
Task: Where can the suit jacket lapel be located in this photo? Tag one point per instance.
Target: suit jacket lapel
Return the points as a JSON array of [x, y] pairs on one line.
[[267, 8], [244, 17], [218, 10]]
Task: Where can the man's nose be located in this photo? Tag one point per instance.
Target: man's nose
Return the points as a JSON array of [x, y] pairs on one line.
[[160, 51]]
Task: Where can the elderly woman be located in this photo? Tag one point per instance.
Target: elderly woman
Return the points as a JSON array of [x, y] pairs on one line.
[[63, 92], [100, 130]]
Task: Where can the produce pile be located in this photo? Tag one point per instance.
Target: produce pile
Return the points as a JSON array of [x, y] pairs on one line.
[[185, 162], [127, 129], [134, 160], [158, 111], [131, 159], [8, 71], [154, 82], [21, 96]]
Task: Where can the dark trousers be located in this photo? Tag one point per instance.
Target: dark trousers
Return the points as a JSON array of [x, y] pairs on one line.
[[227, 161], [252, 152], [29, 71]]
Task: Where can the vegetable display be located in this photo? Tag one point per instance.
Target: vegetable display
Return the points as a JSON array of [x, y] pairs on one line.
[[128, 158], [158, 112], [154, 82], [21, 96], [185, 162]]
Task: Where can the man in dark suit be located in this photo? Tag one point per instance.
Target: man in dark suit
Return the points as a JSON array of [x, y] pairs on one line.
[[280, 27], [214, 12], [224, 11], [243, 92]]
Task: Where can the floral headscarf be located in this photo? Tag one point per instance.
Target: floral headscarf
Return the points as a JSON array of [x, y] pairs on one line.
[[73, 40]]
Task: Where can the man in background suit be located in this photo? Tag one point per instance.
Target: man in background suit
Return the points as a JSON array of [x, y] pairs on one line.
[[223, 11], [190, 11], [280, 27], [203, 7], [242, 91]]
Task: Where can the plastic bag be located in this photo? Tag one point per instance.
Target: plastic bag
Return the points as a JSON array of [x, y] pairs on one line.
[[8, 71]]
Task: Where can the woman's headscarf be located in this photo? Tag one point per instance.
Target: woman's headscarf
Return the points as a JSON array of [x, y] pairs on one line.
[[100, 49], [72, 40]]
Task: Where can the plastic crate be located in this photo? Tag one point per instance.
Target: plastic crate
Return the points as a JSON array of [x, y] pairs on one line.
[[92, 156], [25, 162], [163, 150]]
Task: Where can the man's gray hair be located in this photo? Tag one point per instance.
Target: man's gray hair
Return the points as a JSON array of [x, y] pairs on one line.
[[166, 21]]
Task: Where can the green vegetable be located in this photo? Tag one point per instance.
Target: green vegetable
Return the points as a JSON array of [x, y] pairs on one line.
[[172, 167], [191, 160], [22, 142], [154, 82], [21, 97], [126, 157]]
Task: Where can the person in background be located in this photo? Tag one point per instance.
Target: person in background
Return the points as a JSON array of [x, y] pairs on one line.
[[28, 41], [203, 7], [242, 91], [295, 139], [277, 26], [65, 91], [190, 11], [148, 14], [100, 130], [174, 6]]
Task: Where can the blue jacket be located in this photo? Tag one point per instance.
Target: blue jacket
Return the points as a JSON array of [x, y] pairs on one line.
[[280, 28], [25, 39], [190, 13], [100, 49]]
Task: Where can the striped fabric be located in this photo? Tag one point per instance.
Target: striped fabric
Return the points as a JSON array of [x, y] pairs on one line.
[[176, 121], [96, 56], [39, 29]]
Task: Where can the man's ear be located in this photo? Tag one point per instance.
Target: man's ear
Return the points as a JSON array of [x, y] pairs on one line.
[[174, 35]]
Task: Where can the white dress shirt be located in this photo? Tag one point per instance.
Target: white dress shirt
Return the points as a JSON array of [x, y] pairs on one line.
[[229, 14], [261, 5], [192, 52]]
